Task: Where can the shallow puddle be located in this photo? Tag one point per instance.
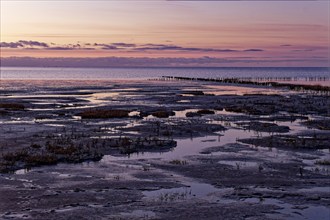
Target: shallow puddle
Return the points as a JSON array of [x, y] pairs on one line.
[[191, 190], [226, 89], [185, 147]]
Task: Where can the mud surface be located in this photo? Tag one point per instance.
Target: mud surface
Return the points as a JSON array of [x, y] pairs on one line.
[[162, 150]]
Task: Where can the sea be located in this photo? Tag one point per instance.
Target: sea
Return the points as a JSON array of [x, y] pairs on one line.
[[37, 73]]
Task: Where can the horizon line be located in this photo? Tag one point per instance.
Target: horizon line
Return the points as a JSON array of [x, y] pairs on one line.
[[154, 67]]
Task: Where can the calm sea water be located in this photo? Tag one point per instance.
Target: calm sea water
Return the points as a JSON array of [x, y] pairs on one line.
[[28, 73]]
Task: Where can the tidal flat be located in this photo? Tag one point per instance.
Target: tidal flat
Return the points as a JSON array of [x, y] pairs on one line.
[[162, 149]]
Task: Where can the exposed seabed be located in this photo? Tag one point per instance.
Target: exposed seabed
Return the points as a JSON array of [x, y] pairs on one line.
[[147, 149]]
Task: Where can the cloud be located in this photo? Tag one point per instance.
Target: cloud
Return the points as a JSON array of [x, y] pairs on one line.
[[123, 45], [105, 46], [68, 47], [163, 47], [11, 45], [303, 50], [170, 47], [154, 45], [253, 50], [127, 47], [33, 43], [24, 44], [109, 47], [75, 45], [285, 45], [60, 48], [160, 47]]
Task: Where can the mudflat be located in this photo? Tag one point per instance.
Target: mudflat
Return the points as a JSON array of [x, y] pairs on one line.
[[162, 149]]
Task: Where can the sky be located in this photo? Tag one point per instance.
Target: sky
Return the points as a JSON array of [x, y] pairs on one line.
[[200, 33]]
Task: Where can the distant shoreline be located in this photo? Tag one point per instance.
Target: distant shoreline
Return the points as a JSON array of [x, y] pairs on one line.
[[311, 75], [167, 67]]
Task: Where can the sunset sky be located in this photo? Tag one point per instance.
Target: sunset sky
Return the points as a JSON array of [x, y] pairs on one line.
[[231, 33]]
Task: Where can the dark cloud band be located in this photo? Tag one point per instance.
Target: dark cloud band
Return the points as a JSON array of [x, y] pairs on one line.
[[128, 47]]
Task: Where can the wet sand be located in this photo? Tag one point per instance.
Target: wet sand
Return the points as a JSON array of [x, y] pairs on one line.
[[148, 149]]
